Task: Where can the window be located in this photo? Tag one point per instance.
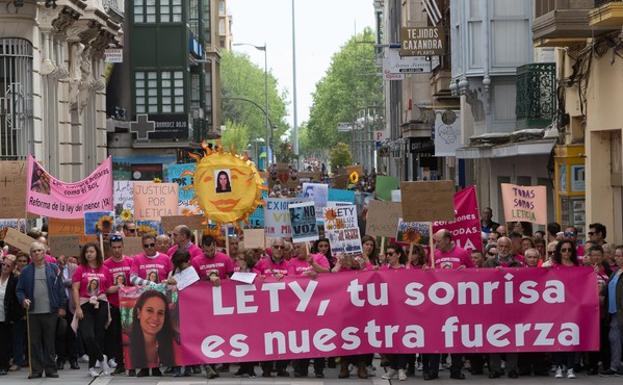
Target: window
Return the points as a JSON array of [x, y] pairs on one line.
[[16, 93], [221, 8], [170, 11], [146, 92], [172, 88], [144, 11]]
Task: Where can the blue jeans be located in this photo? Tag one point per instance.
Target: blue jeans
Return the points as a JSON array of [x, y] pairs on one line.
[[19, 343], [615, 338]]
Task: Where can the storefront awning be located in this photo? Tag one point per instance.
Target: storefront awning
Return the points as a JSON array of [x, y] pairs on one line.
[[531, 147]]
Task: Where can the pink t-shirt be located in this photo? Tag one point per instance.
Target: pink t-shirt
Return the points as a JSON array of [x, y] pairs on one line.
[[93, 281], [453, 259], [389, 268], [299, 266], [50, 259], [193, 250], [221, 263], [120, 272], [268, 267], [155, 269]]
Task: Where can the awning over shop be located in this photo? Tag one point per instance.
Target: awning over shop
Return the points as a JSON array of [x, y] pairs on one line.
[[531, 147]]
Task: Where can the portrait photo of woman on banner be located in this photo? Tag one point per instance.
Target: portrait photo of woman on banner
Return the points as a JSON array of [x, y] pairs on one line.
[[152, 332], [223, 181]]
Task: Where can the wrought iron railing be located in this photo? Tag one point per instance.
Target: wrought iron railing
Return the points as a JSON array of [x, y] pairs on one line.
[[536, 95]]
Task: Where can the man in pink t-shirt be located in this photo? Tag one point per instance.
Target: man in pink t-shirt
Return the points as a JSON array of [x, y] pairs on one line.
[[151, 267], [273, 264], [119, 267], [181, 237], [448, 255], [212, 265]]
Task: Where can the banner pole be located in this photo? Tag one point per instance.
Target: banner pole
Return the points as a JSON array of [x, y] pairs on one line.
[[29, 345], [102, 243], [382, 249], [227, 240], [431, 245], [197, 238]]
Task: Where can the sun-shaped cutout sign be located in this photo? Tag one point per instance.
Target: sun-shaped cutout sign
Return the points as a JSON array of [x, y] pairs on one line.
[[228, 187]]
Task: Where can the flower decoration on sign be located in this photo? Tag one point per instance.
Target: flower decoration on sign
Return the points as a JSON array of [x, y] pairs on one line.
[[126, 215], [330, 215], [228, 186], [105, 224], [157, 180], [412, 236], [353, 177]]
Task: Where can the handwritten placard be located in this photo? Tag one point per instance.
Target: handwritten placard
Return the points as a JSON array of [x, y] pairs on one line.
[[132, 246], [18, 240], [12, 189], [382, 218], [194, 222], [254, 239], [427, 201], [525, 203], [155, 200], [67, 245]]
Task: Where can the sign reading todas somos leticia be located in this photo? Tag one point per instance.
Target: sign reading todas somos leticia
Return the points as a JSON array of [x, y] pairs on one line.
[[50, 197], [525, 203], [402, 311]]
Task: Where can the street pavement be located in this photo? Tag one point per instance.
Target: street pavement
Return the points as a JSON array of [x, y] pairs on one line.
[[80, 377]]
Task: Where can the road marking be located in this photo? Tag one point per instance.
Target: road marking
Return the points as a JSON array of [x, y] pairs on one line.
[[100, 381]]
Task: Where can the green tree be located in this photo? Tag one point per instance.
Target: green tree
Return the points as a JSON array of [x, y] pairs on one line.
[[349, 85], [241, 78], [340, 156], [236, 135]]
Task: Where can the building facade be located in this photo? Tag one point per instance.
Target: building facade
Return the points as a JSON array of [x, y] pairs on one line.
[[225, 21], [507, 98], [414, 101], [589, 162], [53, 82], [165, 95]]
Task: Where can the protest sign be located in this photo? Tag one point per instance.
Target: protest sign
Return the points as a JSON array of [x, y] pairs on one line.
[[382, 219], [96, 222], [319, 193], [178, 173], [58, 226], [413, 232], [354, 173], [194, 222], [256, 220], [384, 186], [465, 228], [340, 181], [396, 196], [12, 189], [132, 246], [277, 217], [530, 310], [525, 203], [123, 196], [427, 201], [303, 222], [148, 227], [67, 245], [337, 195], [254, 239], [16, 223], [155, 200], [169, 348], [54, 198], [18, 240], [342, 229]]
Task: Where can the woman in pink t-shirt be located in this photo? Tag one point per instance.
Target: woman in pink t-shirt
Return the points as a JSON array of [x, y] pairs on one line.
[[417, 259], [91, 281], [370, 253]]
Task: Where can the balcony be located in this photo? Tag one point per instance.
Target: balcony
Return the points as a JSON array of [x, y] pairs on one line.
[[607, 14], [536, 95], [560, 23]]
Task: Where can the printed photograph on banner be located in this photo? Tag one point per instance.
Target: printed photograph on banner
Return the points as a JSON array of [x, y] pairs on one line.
[[150, 326], [303, 222], [222, 180], [99, 222], [319, 193], [40, 180], [94, 285], [413, 232]]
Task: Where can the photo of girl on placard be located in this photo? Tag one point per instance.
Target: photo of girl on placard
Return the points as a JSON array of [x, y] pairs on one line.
[[222, 181]]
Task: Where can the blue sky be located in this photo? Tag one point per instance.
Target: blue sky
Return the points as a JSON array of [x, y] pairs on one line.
[[322, 27]]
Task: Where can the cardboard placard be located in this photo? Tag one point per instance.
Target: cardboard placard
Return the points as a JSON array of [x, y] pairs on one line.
[[384, 186], [155, 200], [382, 219], [132, 246], [194, 222], [303, 222], [57, 226], [427, 201], [67, 245], [340, 182], [525, 203], [254, 239], [18, 240], [12, 189], [355, 169]]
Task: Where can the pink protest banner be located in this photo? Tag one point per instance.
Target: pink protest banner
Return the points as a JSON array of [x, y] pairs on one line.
[[50, 197], [402, 311], [524, 203], [466, 226]]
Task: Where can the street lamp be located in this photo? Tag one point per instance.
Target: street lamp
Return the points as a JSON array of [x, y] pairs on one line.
[[269, 133]]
